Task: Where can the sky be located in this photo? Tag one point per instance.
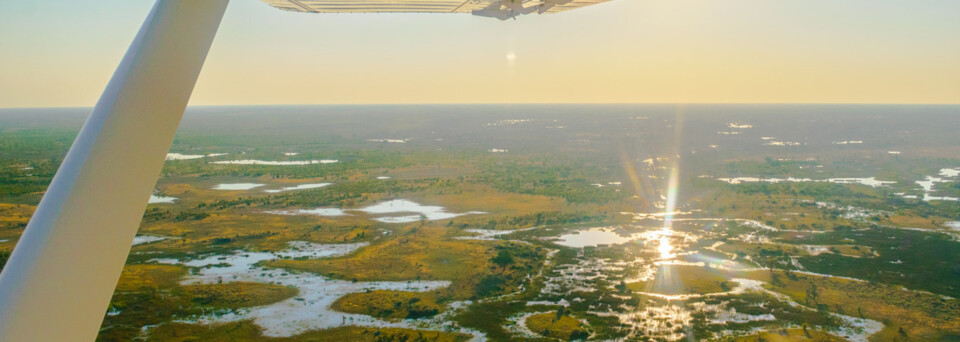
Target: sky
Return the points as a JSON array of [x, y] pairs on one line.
[[62, 53]]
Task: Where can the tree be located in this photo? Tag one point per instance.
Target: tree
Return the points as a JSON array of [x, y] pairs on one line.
[[503, 258], [622, 287]]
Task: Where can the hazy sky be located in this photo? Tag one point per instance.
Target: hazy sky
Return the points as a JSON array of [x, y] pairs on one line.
[[61, 53]]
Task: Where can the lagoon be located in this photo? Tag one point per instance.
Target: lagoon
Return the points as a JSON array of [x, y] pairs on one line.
[[237, 186], [161, 199], [593, 237], [298, 187]]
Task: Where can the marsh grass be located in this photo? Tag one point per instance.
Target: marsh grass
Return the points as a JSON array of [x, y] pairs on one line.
[[248, 331], [557, 325]]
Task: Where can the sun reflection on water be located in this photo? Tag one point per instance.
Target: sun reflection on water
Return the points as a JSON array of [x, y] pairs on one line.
[[665, 248]]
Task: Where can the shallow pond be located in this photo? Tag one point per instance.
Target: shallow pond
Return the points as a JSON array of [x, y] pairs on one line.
[[142, 239], [401, 206], [298, 187], [393, 211], [950, 172], [179, 156], [594, 237], [489, 234], [161, 199], [930, 182], [237, 186]]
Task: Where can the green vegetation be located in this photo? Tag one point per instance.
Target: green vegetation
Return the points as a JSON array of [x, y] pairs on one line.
[[551, 177], [237, 294], [150, 294], [684, 280], [929, 258], [923, 316], [430, 253], [389, 304], [28, 160], [247, 331], [787, 335], [557, 325]]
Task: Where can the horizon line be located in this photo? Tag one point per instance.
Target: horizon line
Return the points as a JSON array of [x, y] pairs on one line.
[[525, 103]]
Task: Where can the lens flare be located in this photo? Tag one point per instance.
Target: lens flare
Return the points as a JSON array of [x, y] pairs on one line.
[[673, 185]]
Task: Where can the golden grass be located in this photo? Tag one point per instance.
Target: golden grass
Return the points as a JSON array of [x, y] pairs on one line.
[[486, 199], [788, 335], [407, 256], [900, 220], [781, 210], [734, 246], [417, 172], [857, 251], [12, 218], [547, 324], [922, 316], [753, 248], [248, 331], [201, 189], [138, 277], [389, 304], [237, 294], [423, 253], [672, 280], [237, 225], [786, 211], [11, 214]]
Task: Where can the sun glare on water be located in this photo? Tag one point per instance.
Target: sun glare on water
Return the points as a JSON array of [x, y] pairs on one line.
[[665, 248]]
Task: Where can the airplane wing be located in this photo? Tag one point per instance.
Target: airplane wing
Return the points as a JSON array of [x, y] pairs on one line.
[[500, 9], [557, 6]]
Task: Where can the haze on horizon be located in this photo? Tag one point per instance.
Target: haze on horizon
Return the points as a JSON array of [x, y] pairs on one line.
[[59, 54]]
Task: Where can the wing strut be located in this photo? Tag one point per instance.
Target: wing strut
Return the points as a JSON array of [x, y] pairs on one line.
[[58, 282]]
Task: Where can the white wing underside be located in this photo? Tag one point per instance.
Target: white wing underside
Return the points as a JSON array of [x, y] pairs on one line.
[[501, 9]]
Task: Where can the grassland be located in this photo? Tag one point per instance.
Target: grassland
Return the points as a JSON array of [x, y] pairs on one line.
[[920, 315], [672, 280], [248, 331], [556, 325], [237, 294], [151, 294], [431, 253], [793, 206], [140, 276], [786, 335], [248, 229], [13, 218], [786, 249], [788, 210], [389, 304], [927, 257]]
